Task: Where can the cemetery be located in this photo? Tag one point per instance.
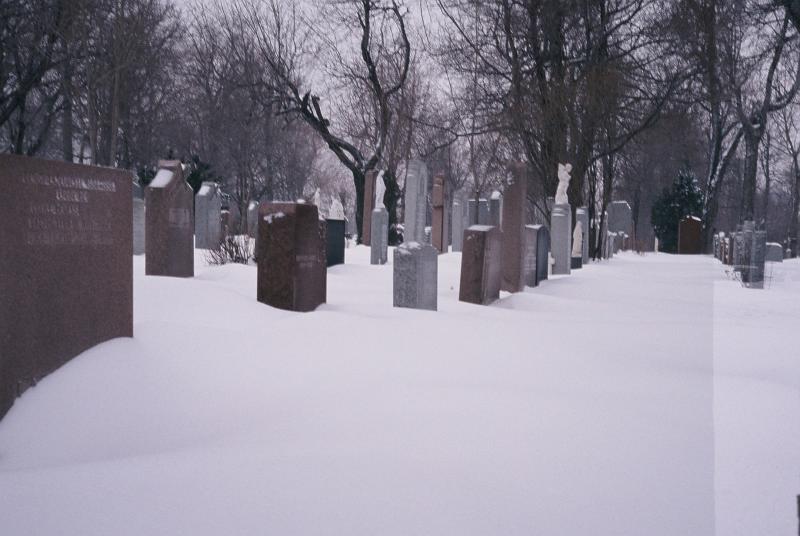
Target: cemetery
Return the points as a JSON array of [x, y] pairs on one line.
[[262, 271]]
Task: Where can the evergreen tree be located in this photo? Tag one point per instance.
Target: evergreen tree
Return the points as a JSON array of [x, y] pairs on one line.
[[681, 199]]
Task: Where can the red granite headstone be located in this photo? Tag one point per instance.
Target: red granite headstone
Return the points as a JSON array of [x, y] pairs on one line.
[[438, 227], [690, 236], [515, 203], [66, 272], [480, 265], [169, 232], [369, 206], [291, 248]]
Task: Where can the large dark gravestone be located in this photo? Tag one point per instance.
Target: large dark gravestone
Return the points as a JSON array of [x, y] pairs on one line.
[[480, 265], [291, 255], [513, 236], [169, 241], [66, 272], [335, 242], [690, 236], [542, 253]]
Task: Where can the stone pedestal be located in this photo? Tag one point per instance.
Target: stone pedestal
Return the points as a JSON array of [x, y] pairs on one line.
[[458, 226], [415, 276], [514, 218], [416, 202], [561, 236], [582, 215], [369, 206], [169, 230], [380, 236], [66, 274], [291, 255], [335, 242], [480, 265], [439, 220]]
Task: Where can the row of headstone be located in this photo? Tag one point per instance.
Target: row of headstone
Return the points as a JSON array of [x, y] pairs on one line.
[[746, 250]]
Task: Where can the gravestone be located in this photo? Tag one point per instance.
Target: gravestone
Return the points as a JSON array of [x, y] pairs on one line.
[[415, 275], [439, 223], [380, 239], [66, 275], [138, 220], [480, 265], [224, 223], [252, 219], [774, 252], [208, 232], [561, 236], [291, 256], [484, 218], [690, 236], [458, 226], [416, 201], [336, 229], [542, 245], [532, 272], [577, 246], [513, 235], [169, 230], [738, 251], [369, 205], [495, 208], [235, 218], [582, 216], [472, 212]]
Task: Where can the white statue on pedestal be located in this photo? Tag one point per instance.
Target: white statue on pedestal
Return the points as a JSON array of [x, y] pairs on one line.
[[380, 190], [577, 240], [563, 183]]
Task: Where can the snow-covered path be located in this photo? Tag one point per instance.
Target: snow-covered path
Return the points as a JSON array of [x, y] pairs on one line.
[[643, 396]]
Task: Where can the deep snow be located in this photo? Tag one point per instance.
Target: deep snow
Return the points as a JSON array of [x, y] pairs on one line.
[[646, 395]]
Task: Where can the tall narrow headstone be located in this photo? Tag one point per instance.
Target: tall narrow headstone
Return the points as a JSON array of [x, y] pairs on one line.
[[415, 276], [138, 220], [169, 232], [335, 230], [252, 219], [291, 255], [515, 209], [458, 225], [415, 201], [582, 216], [484, 218], [495, 208], [66, 276], [380, 237], [207, 209], [369, 204], [439, 224], [537, 239], [480, 265]]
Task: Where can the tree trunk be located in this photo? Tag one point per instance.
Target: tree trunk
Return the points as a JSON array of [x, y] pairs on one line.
[[751, 142], [67, 133], [794, 227], [358, 182]]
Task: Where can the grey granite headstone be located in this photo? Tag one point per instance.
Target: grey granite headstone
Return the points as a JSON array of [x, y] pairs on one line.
[[774, 252], [415, 276], [208, 207], [582, 215], [416, 201], [495, 208], [458, 226], [252, 219], [379, 242], [138, 220], [484, 218], [561, 235]]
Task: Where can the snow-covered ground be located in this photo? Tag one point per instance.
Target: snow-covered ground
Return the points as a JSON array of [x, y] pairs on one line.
[[648, 395]]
